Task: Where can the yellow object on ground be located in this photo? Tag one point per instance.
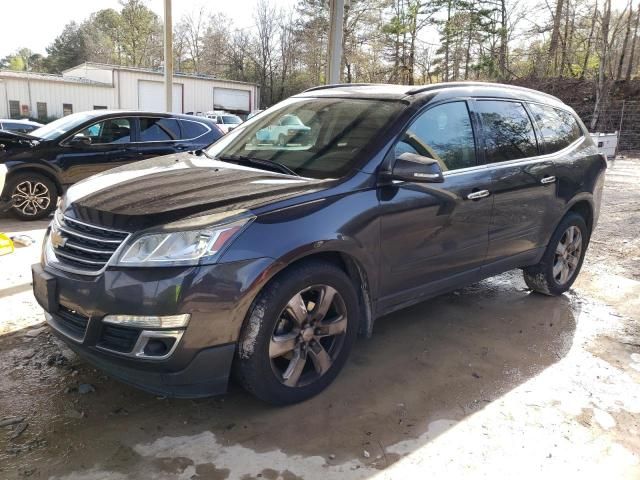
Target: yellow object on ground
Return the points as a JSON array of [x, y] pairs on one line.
[[6, 244]]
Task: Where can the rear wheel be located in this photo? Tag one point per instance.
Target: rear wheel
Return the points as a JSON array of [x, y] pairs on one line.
[[563, 258], [298, 334], [33, 196]]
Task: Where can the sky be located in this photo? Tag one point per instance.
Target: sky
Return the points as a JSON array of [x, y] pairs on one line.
[[38, 22]]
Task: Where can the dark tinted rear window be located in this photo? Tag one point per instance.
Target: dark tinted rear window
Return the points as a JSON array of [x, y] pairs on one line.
[[159, 129], [192, 129], [559, 128], [508, 132]]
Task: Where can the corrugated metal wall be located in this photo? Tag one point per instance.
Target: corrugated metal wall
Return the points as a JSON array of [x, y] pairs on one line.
[[197, 92], [54, 94]]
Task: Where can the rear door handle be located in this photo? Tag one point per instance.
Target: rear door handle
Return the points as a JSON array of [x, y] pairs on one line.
[[478, 195], [547, 180]]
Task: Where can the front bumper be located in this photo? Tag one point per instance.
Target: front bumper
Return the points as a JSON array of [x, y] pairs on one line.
[[216, 296]]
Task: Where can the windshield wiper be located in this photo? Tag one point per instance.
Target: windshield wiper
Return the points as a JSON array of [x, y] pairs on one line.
[[262, 162]]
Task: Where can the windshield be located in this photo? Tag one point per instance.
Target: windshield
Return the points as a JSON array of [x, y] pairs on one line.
[[314, 137], [231, 119], [53, 130]]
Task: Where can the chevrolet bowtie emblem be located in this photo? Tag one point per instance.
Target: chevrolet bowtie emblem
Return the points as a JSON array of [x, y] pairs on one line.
[[57, 240]]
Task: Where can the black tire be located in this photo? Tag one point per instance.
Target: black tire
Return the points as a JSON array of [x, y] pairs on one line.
[[34, 196], [541, 277], [256, 369]]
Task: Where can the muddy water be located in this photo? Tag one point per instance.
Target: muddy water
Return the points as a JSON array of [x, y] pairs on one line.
[[489, 380]]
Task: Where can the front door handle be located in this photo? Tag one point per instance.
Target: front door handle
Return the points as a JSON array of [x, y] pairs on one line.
[[547, 180], [478, 195]]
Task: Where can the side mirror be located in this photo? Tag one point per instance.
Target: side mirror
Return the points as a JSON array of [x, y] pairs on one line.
[[80, 141], [411, 167]]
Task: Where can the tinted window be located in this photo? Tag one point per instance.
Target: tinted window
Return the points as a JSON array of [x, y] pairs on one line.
[[443, 133], [559, 128], [508, 132], [18, 127], [231, 119], [114, 130], [159, 129], [192, 129]]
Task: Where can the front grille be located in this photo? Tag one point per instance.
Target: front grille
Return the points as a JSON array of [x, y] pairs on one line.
[[81, 246], [71, 322], [119, 339]]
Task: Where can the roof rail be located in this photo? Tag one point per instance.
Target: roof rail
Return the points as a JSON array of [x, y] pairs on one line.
[[437, 86], [337, 85]]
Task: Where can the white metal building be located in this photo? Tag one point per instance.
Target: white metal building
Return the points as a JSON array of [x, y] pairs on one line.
[[92, 86]]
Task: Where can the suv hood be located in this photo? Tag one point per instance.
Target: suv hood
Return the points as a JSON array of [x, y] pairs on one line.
[[174, 187]]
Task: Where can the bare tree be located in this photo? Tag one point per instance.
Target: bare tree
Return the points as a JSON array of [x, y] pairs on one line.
[[604, 57], [633, 46]]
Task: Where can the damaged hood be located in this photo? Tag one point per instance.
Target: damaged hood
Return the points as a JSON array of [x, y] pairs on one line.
[[174, 187], [13, 139]]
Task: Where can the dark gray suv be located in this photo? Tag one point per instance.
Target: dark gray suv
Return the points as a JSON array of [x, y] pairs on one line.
[[268, 258]]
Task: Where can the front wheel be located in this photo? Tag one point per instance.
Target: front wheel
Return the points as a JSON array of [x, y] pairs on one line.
[[298, 333], [33, 196], [563, 258]]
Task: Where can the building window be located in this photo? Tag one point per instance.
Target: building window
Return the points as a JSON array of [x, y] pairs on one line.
[[99, 107], [42, 110], [67, 109], [14, 108]]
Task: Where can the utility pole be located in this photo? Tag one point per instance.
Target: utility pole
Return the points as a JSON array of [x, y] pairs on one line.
[[168, 57], [335, 41]]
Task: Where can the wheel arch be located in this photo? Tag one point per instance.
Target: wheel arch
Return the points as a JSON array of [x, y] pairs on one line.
[[19, 170], [348, 263], [583, 208]]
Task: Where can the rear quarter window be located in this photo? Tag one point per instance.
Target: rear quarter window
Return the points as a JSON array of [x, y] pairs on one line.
[[559, 128], [192, 129], [159, 129]]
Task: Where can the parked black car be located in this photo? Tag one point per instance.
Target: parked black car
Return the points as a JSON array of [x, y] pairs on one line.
[[269, 259], [40, 165]]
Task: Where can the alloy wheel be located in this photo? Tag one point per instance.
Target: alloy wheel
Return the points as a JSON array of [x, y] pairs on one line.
[[567, 256], [30, 198], [308, 335]]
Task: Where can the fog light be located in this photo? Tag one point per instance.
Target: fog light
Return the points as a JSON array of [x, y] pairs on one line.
[[169, 321], [157, 347]]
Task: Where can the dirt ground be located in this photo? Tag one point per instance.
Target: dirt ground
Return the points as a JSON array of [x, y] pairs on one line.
[[487, 382]]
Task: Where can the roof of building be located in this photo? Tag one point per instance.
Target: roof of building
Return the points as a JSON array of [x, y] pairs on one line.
[[155, 71], [51, 77]]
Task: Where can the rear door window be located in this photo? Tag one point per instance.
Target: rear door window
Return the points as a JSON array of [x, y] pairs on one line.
[[508, 131], [159, 129], [443, 133], [559, 128]]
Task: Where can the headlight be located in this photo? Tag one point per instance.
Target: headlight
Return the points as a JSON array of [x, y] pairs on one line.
[[188, 247]]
